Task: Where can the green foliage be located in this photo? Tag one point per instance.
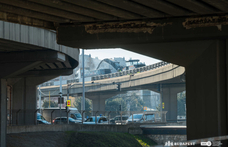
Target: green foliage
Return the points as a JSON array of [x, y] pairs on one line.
[[144, 141], [158, 107], [110, 139], [181, 101], [88, 104], [136, 103], [52, 104]]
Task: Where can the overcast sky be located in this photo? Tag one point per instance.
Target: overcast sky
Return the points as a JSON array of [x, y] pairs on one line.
[[111, 53]]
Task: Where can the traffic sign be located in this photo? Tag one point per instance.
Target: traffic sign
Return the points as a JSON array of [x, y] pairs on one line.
[[144, 108], [68, 103], [61, 99]]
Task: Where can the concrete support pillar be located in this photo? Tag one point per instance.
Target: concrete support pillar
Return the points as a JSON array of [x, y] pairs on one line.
[[206, 90], [3, 112], [24, 99], [169, 98], [98, 104]]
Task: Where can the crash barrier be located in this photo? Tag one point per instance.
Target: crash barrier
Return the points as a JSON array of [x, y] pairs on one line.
[[130, 72], [117, 74], [55, 116]]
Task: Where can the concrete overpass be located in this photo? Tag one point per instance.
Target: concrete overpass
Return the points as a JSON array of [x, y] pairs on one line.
[[189, 33], [168, 77], [29, 56]]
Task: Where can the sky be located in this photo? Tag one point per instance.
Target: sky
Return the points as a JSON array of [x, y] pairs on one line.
[[111, 53]]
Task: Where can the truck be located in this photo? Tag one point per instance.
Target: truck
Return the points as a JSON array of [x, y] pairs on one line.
[[51, 113]]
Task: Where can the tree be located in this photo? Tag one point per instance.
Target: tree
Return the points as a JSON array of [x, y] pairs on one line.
[[136, 103], [52, 104], [88, 104]]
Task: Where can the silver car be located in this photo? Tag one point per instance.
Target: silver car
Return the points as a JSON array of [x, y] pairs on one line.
[[142, 118], [100, 120]]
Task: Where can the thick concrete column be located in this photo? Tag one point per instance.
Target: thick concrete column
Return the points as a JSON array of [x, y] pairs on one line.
[[169, 97], [3, 112], [24, 99], [206, 89], [98, 99], [98, 104]]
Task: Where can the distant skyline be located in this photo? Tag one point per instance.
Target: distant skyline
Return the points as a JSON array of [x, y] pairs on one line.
[[115, 53]]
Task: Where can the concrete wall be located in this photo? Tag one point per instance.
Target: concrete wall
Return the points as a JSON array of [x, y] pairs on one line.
[[131, 128]]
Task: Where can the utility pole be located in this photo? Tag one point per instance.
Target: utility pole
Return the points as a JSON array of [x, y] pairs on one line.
[[60, 93], [49, 99]]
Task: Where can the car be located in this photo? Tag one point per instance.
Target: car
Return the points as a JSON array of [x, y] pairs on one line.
[[136, 118], [117, 120], [64, 120], [41, 120], [100, 120], [75, 114], [142, 118]]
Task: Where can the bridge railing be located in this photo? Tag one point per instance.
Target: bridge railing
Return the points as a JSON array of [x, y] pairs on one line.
[[129, 72]]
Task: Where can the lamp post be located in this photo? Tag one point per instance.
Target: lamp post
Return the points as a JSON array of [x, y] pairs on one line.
[[60, 100], [68, 92]]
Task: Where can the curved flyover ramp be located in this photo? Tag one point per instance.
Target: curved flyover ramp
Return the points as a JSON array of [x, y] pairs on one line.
[[170, 73], [29, 51]]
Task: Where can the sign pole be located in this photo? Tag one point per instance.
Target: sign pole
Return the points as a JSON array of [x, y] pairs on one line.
[[60, 93]]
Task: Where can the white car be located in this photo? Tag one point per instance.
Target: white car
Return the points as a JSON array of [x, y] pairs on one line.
[[100, 120], [142, 118]]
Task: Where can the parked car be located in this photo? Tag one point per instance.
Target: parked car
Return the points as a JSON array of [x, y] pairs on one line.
[[75, 114], [142, 118], [100, 120], [41, 119], [64, 120], [117, 120]]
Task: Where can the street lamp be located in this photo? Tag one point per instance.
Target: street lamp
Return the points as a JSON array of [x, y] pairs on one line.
[[60, 101]]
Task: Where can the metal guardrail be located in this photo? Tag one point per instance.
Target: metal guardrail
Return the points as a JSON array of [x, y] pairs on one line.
[[117, 74], [129, 72]]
